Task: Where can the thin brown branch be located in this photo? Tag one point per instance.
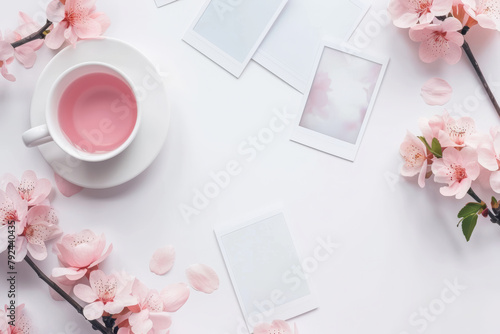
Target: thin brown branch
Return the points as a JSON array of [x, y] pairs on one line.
[[474, 63], [40, 34], [96, 325]]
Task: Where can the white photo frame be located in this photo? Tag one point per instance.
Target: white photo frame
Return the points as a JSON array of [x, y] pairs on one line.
[[230, 31], [260, 254], [160, 3], [339, 100], [289, 49]]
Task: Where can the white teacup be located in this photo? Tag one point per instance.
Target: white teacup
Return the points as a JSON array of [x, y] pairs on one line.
[[92, 113]]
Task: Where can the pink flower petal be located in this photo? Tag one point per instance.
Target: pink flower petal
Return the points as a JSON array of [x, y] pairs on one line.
[[85, 293], [94, 311], [66, 188], [56, 38], [162, 260], [436, 92], [55, 11], [202, 278], [161, 320], [174, 296], [89, 29], [25, 55], [495, 181]]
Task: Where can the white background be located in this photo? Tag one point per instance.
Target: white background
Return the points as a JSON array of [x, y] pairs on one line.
[[399, 243]]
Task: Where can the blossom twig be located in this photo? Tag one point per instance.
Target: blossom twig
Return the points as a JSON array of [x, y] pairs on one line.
[[474, 63], [96, 325], [40, 34], [493, 218]]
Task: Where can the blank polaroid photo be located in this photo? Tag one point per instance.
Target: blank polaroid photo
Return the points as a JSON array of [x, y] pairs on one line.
[[263, 265], [230, 31], [160, 3], [339, 101], [289, 49]]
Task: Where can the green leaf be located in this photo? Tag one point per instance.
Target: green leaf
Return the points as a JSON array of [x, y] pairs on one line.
[[468, 225], [470, 209], [425, 142], [436, 148]]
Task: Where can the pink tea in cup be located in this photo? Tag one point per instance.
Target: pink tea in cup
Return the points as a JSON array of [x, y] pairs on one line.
[[97, 112]]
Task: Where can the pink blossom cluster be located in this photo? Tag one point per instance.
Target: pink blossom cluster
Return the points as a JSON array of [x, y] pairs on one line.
[[72, 20], [454, 152], [15, 322], [26, 214], [127, 304], [439, 24]]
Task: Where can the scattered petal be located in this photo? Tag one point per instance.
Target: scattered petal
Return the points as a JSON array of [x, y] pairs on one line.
[[202, 278], [174, 296], [66, 188], [436, 92], [162, 260]]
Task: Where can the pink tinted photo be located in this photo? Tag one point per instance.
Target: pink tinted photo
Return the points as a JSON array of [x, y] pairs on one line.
[[340, 95]]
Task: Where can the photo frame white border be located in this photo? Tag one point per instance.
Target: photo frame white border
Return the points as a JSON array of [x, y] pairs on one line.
[[161, 3], [218, 55], [287, 74], [324, 142], [285, 311]]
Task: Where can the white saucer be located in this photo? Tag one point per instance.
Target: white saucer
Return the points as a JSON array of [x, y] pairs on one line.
[[152, 132]]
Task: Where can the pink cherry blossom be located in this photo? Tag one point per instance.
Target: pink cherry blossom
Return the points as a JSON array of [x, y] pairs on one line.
[[12, 208], [450, 132], [276, 327], [436, 92], [407, 13], [33, 190], [439, 40], [39, 226], [458, 169], [22, 322], [109, 294], [485, 12], [459, 130], [461, 14], [489, 157], [75, 20], [80, 252], [25, 53], [6, 57], [416, 157], [149, 314]]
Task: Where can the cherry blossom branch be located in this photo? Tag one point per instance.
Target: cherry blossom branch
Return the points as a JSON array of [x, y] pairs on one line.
[[96, 325], [474, 63], [40, 34], [494, 219]]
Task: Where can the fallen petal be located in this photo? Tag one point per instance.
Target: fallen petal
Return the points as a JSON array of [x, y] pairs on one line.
[[162, 260], [66, 188], [436, 92], [202, 278], [174, 296]]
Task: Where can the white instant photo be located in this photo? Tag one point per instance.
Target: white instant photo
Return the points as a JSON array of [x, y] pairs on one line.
[[160, 3], [262, 262], [230, 31], [338, 103], [289, 49]]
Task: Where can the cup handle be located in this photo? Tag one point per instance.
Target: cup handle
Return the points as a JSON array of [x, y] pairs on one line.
[[37, 136]]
